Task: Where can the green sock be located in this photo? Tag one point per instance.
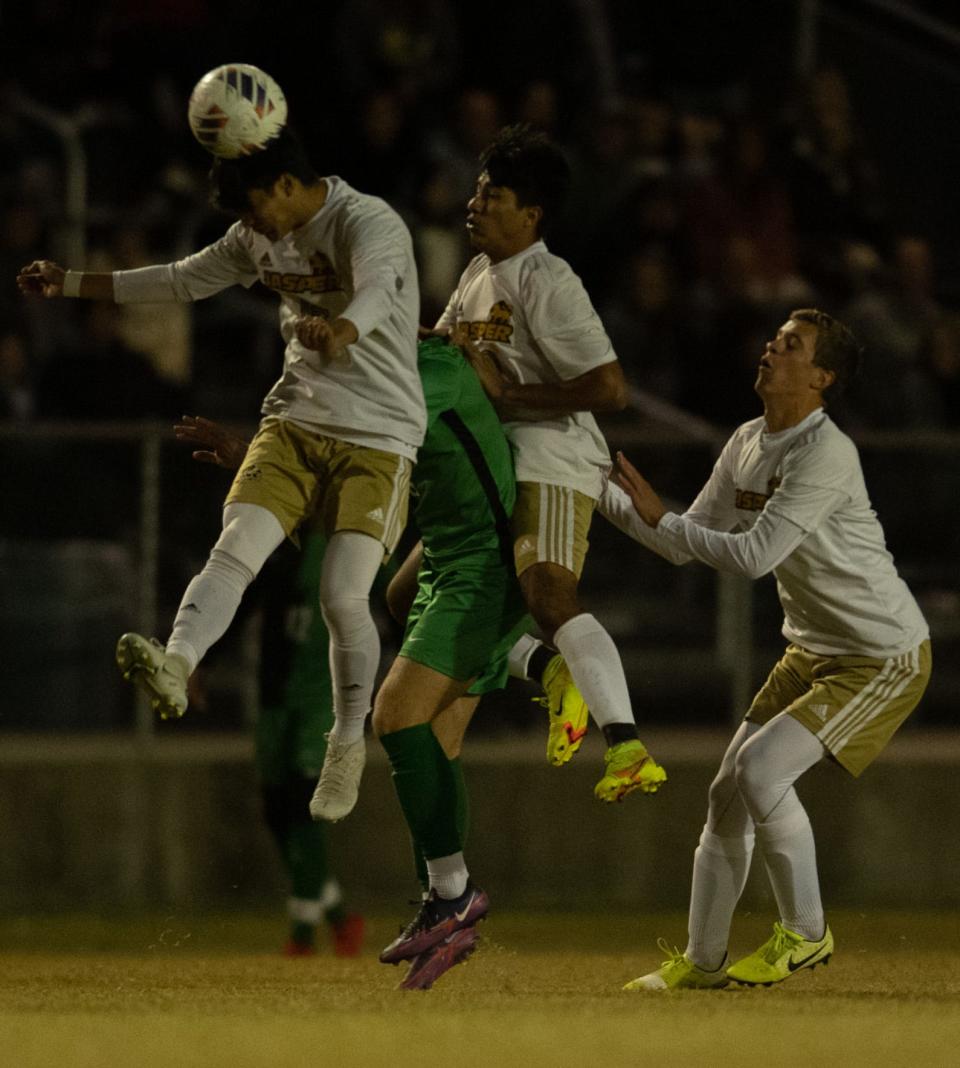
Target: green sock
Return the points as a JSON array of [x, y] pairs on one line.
[[426, 786], [463, 800], [463, 821], [304, 934], [307, 858]]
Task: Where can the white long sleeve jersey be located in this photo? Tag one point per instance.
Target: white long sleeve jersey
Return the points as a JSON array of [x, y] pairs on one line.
[[794, 503], [535, 313], [353, 259]]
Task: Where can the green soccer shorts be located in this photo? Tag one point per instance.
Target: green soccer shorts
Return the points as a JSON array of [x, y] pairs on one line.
[[465, 619]]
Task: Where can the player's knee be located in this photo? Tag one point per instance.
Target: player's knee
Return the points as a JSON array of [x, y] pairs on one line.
[[347, 615], [751, 774], [551, 595]]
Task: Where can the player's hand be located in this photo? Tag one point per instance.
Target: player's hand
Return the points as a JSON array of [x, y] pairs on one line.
[[325, 337], [495, 376], [217, 444], [645, 500], [42, 278]]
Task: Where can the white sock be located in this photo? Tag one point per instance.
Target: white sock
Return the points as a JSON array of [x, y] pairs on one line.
[[791, 861], [595, 665], [448, 875], [720, 869], [250, 534], [518, 658], [304, 910], [767, 766], [350, 565]]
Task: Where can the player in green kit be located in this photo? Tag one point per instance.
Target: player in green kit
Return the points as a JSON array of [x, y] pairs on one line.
[[467, 614]]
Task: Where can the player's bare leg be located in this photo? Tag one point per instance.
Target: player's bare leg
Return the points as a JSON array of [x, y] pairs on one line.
[[595, 667]]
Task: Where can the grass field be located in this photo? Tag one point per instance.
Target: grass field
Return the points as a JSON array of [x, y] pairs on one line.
[[541, 990]]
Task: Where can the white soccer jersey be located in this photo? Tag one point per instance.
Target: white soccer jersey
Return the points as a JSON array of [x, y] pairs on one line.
[[353, 259], [797, 505], [533, 310]]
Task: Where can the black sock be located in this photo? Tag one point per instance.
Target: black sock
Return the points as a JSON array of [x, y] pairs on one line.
[[615, 733], [537, 664]]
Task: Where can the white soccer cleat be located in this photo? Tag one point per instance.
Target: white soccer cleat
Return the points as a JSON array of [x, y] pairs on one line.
[[339, 783], [161, 675]]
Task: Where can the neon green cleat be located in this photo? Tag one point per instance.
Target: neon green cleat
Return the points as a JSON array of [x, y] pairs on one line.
[[161, 676], [678, 972], [780, 956], [629, 767], [566, 710]]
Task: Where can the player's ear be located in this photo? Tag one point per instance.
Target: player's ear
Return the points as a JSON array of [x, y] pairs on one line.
[[285, 184], [822, 378], [535, 214]]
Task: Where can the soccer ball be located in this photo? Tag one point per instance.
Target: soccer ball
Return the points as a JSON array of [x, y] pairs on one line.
[[236, 109]]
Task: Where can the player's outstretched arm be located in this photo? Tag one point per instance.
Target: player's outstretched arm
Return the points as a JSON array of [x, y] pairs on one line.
[[645, 500], [213, 443], [44, 278]]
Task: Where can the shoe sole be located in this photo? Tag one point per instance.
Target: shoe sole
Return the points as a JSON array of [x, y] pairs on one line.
[[773, 982], [401, 953], [137, 668], [619, 792], [427, 968]]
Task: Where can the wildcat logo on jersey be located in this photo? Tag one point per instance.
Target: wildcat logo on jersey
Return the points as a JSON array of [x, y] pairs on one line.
[[496, 327], [751, 501], [323, 278]]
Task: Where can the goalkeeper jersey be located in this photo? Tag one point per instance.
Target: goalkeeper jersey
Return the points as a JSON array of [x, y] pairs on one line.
[[353, 259]]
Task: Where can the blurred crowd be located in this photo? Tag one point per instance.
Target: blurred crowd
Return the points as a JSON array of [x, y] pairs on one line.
[[698, 216]]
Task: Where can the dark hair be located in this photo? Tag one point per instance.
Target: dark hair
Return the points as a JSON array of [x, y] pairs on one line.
[[528, 162], [232, 179], [836, 349]]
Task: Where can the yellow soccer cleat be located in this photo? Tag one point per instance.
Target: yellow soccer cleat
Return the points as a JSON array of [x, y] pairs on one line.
[[162, 676], [566, 709], [780, 956], [629, 767], [678, 972]]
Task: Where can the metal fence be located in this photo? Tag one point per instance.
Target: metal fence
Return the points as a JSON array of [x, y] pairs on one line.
[[103, 525]]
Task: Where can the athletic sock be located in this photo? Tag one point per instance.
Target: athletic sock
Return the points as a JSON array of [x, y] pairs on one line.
[[426, 788], [448, 875], [615, 733], [209, 604], [539, 659], [720, 869], [595, 665], [790, 856], [350, 565], [518, 659], [462, 821]]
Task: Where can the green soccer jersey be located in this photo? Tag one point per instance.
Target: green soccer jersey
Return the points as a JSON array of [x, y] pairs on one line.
[[463, 482]]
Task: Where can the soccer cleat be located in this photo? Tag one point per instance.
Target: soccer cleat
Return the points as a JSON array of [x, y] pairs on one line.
[[780, 956], [339, 783], [566, 710], [161, 676], [427, 967], [437, 919], [678, 972], [348, 936], [629, 767]]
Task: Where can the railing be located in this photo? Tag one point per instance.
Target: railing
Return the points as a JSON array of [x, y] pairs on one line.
[[129, 487]]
